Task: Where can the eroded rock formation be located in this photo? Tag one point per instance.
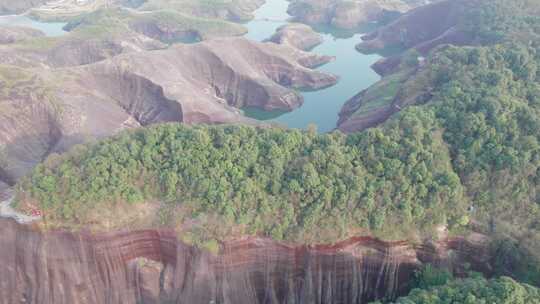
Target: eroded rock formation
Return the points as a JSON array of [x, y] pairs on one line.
[[49, 110], [345, 14], [211, 79], [300, 36], [351, 121], [416, 27], [423, 29], [72, 50], [379, 102], [152, 265]]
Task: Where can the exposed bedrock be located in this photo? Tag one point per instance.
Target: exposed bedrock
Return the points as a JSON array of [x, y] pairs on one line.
[[423, 29], [350, 122], [73, 51], [213, 78], [298, 35], [50, 110], [387, 66], [139, 97], [418, 26], [344, 14], [28, 132], [153, 266], [44, 112]]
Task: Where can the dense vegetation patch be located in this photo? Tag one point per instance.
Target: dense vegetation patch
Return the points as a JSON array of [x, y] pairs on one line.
[[432, 285], [475, 290], [282, 183], [496, 21], [488, 101]]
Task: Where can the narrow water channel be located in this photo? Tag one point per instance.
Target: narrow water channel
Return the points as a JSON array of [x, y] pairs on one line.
[[320, 107]]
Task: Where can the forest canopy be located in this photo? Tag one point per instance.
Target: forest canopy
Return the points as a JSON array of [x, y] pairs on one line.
[[281, 183], [475, 290], [432, 285]]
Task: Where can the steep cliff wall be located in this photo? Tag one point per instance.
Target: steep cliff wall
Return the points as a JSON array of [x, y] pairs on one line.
[[50, 110], [153, 266], [422, 27]]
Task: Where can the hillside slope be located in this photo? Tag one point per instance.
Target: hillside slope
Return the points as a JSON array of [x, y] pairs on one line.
[[49, 110]]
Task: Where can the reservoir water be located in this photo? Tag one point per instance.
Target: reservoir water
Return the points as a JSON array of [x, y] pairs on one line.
[[320, 107], [51, 29]]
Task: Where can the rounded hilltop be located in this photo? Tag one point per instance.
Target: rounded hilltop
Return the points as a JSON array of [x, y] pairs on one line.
[[226, 181]]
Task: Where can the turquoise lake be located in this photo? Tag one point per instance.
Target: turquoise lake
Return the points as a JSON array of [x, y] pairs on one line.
[[320, 107], [51, 29]]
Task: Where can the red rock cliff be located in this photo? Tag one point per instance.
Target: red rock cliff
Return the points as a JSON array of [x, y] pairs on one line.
[[150, 266]]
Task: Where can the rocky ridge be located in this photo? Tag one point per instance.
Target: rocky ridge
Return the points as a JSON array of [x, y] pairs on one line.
[[300, 36], [50, 110], [345, 14]]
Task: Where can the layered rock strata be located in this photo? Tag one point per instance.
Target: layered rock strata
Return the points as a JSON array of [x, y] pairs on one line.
[[153, 266]]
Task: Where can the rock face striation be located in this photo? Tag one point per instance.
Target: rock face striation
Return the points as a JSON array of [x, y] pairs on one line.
[[150, 266], [350, 122], [423, 29], [19, 49], [49, 110]]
